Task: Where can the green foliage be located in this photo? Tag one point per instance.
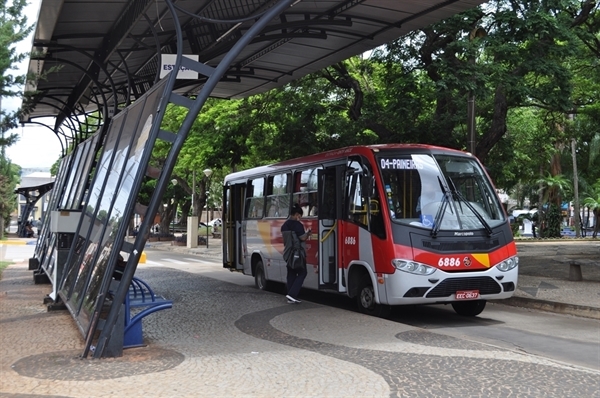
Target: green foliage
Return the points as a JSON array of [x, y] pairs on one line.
[[3, 265], [553, 221], [553, 188], [592, 199], [9, 175], [13, 29]]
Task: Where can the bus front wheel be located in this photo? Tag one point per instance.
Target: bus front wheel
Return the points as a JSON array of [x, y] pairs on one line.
[[260, 279], [469, 308], [366, 300]]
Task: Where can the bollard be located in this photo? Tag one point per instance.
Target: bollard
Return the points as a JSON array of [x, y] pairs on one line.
[[143, 258]]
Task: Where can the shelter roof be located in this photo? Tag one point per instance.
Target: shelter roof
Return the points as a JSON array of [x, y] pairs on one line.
[[108, 51], [30, 184]]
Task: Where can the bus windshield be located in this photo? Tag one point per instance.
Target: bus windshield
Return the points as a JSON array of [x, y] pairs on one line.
[[439, 192]]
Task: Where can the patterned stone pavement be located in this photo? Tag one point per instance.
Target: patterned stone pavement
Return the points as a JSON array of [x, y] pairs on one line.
[[221, 339]]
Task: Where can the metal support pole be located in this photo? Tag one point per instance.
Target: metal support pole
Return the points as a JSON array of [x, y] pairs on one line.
[[207, 173], [207, 217], [193, 192], [476, 33], [471, 121]]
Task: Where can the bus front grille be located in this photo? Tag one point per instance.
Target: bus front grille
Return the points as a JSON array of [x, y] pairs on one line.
[[450, 286]]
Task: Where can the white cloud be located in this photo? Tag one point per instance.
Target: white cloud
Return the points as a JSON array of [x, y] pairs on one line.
[[37, 147]]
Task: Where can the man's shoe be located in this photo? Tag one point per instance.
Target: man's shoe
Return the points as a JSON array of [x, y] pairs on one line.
[[292, 300]]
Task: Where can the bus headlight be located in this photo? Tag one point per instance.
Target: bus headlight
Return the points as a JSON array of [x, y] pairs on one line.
[[508, 264], [412, 267]]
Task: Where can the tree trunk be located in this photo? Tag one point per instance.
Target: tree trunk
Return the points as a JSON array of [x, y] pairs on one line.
[[498, 127]]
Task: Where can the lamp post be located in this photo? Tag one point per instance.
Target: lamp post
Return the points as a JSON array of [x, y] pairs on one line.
[[174, 182], [475, 33], [165, 205], [207, 173]]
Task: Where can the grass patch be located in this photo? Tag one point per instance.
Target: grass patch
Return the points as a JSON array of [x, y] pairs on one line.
[[3, 264]]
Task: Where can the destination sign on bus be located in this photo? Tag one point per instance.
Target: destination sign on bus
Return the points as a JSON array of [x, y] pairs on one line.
[[401, 164]]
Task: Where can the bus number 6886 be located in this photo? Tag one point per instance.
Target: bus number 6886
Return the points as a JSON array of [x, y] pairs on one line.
[[449, 262]]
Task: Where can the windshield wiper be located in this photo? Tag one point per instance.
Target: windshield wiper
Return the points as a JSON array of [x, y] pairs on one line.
[[441, 210], [461, 198]]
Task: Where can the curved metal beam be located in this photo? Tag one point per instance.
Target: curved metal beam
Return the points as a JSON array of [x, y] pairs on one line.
[[95, 80]]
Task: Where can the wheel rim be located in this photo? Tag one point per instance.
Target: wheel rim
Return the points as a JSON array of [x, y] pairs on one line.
[[367, 298]]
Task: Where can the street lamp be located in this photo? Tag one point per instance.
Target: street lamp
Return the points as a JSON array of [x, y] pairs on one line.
[[474, 34], [173, 220], [207, 173], [164, 214], [174, 182]]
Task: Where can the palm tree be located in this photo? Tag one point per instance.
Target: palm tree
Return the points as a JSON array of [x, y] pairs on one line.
[[553, 189], [592, 202]]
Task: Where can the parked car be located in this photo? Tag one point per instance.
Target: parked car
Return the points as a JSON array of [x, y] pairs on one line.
[[215, 223]]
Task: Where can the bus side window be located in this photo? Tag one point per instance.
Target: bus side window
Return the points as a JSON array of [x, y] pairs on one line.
[[305, 191], [255, 200], [278, 199]]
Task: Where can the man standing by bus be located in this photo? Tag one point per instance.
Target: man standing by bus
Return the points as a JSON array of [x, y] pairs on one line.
[[294, 235]]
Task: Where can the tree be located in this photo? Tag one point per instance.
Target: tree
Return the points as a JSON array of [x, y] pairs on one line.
[[8, 200], [553, 187]]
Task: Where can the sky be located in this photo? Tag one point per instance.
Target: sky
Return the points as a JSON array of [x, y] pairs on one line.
[[38, 147]]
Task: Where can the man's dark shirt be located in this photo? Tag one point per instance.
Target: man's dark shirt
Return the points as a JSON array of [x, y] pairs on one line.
[[293, 225]]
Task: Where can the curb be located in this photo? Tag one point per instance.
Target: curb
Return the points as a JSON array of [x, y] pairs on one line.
[[185, 250], [552, 306], [15, 242]]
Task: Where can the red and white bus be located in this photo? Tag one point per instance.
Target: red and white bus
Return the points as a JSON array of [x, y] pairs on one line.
[[392, 225]]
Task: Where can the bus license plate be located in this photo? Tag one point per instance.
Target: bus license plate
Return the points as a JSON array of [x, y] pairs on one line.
[[467, 294]]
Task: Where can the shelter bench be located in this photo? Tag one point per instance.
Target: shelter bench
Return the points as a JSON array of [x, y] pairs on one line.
[[140, 302]]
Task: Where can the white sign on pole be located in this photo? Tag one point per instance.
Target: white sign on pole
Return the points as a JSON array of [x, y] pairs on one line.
[[167, 64]]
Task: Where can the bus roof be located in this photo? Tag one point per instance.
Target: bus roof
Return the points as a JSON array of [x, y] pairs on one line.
[[331, 155]]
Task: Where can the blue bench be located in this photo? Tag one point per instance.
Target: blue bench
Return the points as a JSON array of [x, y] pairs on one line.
[[140, 297]]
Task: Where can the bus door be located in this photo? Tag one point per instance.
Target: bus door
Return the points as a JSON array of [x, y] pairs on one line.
[[330, 199], [233, 210]]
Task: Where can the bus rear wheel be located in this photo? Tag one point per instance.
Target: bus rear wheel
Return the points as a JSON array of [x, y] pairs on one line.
[[366, 300], [469, 308], [260, 279]]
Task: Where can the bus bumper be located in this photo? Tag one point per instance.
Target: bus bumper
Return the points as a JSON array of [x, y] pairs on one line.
[[402, 288]]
